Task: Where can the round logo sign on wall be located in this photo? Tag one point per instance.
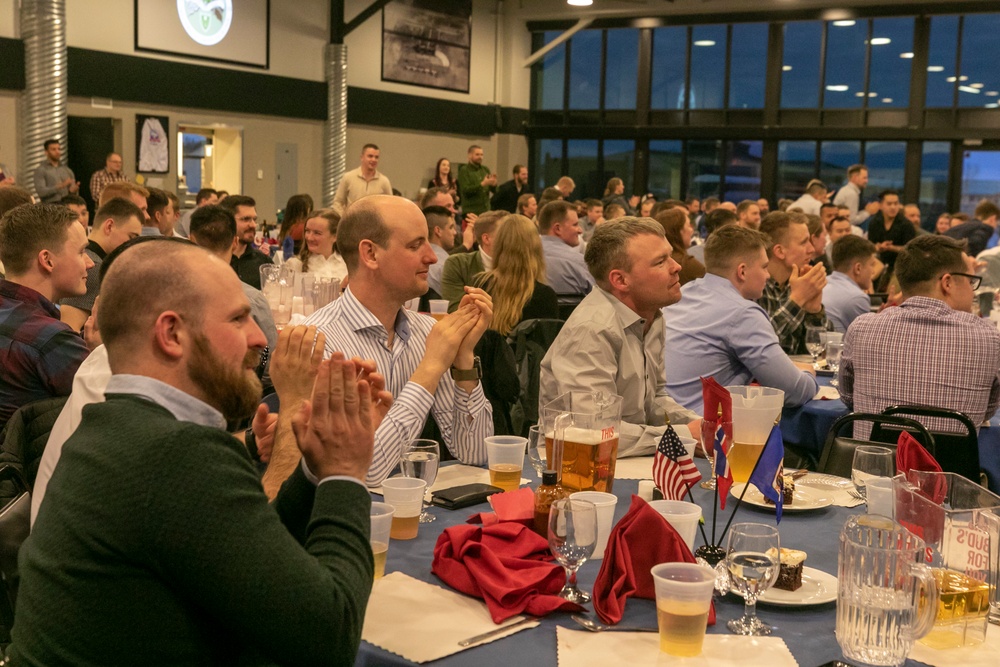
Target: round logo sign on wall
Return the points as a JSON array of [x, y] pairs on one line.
[[206, 21]]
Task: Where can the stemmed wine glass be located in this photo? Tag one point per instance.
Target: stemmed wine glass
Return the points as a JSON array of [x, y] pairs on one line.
[[870, 462], [753, 560], [420, 460], [833, 352], [572, 538], [814, 342], [536, 449]]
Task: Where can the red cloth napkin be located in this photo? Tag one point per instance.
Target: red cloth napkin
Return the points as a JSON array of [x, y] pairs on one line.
[[911, 455], [642, 539], [713, 395], [517, 506], [506, 564]]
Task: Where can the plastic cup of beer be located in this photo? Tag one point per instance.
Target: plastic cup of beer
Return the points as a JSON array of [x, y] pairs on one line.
[[605, 503], [439, 308], [406, 495], [505, 455], [381, 516], [683, 599], [682, 515]]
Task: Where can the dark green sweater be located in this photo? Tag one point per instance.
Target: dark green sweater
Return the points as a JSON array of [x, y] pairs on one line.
[[156, 546]]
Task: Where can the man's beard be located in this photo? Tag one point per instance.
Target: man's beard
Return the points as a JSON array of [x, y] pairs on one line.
[[234, 393]]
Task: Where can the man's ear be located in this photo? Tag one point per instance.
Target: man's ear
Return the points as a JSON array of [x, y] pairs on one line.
[[171, 334], [367, 254]]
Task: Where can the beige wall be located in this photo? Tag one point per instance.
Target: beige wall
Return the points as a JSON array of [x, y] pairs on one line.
[[8, 18], [8, 131]]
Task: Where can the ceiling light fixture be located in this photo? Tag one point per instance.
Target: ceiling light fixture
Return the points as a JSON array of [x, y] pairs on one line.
[[951, 79], [935, 68], [872, 94], [976, 85], [886, 100], [992, 105], [969, 89], [704, 42], [880, 41], [786, 68], [844, 23], [908, 54], [838, 88], [580, 3], [992, 93]]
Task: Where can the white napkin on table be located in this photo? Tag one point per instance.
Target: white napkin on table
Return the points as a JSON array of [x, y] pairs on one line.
[[829, 393], [422, 622], [455, 475], [984, 655], [836, 487], [581, 648], [640, 467]]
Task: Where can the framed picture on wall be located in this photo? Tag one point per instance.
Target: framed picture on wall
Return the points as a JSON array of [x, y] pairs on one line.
[[427, 43], [152, 141]]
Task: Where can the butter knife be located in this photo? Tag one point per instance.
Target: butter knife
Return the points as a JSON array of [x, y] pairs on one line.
[[493, 633]]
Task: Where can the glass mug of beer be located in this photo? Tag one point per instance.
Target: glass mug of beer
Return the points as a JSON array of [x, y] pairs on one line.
[[581, 430], [683, 600]]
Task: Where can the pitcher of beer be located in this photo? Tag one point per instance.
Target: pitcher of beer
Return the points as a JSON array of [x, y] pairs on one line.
[[887, 597], [581, 432], [755, 410]]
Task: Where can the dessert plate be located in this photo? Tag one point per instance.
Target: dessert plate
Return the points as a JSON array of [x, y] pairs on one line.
[[805, 499], [818, 587]]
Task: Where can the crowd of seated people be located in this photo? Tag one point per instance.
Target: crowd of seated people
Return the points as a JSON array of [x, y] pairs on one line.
[[157, 348]]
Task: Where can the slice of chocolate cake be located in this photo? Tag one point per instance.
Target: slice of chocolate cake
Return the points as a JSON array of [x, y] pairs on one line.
[[790, 574], [788, 493]]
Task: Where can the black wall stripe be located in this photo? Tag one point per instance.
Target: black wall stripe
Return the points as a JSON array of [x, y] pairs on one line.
[[161, 82]]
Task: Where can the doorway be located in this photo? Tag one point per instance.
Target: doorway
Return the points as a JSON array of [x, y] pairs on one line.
[[980, 176], [209, 157]]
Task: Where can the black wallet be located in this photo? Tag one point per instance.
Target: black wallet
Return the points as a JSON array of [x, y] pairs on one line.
[[458, 497]]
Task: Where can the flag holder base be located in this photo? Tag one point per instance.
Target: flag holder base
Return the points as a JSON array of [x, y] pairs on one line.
[[711, 554]]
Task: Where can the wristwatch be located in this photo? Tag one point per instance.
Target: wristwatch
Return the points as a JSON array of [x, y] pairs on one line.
[[474, 373]]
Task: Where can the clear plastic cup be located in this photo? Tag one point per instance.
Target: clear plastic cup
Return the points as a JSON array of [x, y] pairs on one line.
[[683, 600], [605, 504], [505, 455], [682, 515], [381, 517], [406, 495], [439, 308]]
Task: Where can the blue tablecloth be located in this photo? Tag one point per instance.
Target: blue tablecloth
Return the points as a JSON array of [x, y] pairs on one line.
[[808, 631]]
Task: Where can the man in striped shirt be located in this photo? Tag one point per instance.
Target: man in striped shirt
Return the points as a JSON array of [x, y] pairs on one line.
[[428, 367]]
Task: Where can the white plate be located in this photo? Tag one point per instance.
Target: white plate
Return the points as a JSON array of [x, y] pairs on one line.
[[806, 499], [820, 480], [817, 588]]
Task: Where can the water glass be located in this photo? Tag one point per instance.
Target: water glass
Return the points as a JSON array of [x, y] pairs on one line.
[[536, 449], [814, 342], [833, 352], [753, 561], [871, 461], [572, 538], [420, 460]]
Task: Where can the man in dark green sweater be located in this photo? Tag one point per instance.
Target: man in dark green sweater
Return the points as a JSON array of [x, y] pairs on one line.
[[155, 544], [475, 183]]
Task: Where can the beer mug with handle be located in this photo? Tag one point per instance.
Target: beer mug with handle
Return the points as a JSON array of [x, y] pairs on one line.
[[887, 597]]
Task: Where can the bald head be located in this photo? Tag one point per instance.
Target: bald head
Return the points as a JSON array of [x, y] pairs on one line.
[[363, 220], [147, 280]]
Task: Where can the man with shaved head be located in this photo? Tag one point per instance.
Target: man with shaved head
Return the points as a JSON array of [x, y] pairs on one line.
[[155, 537], [430, 368]]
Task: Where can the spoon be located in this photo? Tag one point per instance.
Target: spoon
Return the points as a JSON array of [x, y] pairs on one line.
[[593, 626]]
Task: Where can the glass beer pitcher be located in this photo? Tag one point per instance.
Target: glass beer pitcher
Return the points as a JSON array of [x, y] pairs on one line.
[[581, 431]]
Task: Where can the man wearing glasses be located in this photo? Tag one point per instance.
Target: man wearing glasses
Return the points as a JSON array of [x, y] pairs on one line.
[[931, 350], [247, 259]]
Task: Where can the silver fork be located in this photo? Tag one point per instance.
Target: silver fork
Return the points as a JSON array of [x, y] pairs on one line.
[[854, 494]]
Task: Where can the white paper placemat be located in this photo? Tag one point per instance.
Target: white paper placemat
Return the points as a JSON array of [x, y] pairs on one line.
[[829, 393], [456, 475], [422, 622], [634, 468], [984, 655], [837, 488], [580, 648]]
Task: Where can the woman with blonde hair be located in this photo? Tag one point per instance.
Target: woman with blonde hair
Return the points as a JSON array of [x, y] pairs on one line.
[[678, 229], [293, 224], [517, 280], [319, 254]]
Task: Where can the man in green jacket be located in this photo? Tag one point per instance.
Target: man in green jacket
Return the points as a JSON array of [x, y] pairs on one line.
[[475, 183], [155, 543]]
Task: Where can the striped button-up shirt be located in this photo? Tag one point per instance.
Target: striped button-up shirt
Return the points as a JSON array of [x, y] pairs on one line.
[[465, 420]]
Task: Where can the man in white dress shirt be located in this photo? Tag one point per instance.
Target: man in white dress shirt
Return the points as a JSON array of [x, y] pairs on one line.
[[850, 196], [441, 234]]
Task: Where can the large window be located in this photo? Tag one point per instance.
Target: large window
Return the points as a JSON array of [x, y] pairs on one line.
[[800, 65], [891, 60], [941, 61], [708, 67], [844, 87], [886, 162], [619, 160], [742, 177], [834, 159], [748, 66], [669, 68], [979, 62], [796, 167], [934, 162], [585, 70], [704, 168], [582, 168], [665, 169], [623, 69], [550, 76], [550, 162]]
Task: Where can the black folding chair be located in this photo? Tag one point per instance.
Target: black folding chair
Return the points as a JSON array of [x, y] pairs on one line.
[[15, 523], [957, 451], [838, 451]]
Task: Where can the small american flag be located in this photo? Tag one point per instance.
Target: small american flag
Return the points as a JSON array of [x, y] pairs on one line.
[[673, 470]]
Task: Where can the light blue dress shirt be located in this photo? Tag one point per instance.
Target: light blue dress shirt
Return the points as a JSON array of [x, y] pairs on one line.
[[844, 300], [565, 268], [434, 271], [714, 331]]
